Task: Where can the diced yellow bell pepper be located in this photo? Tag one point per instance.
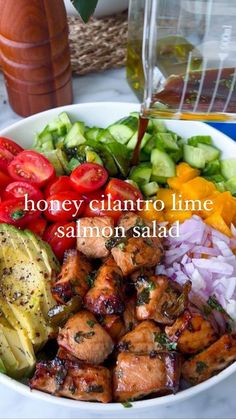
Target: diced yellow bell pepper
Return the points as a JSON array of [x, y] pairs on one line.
[[172, 216], [204, 213], [234, 204], [197, 188], [184, 173], [175, 183], [166, 196], [216, 221], [151, 214], [223, 204]]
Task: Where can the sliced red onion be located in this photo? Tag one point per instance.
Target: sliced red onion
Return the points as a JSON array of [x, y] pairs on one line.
[[204, 256]]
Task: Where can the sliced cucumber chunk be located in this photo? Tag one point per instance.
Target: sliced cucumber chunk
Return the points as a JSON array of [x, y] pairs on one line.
[[44, 141], [230, 185], [212, 168], [150, 145], [228, 168], [120, 154], [73, 163], [200, 139], [156, 178], [133, 141], [150, 189], [93, 157], [105, 136], [52, 156], [163, 165], [92, 133], [141, 174], [131, 122], [75, 136], [194, 156], [121, 133], [177, 155], [156, 125], [61, 125], [144, 157], [210, 152], [215, 178], [166, 141], [220, 186], [63, 160]]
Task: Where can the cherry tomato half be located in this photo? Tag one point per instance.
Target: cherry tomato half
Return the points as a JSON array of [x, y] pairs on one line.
[[13, 212], [20, 189], [4, 180], [88, 177], [57, 185], [99, 195], [96, 209], [60, 244], [31, 167], [8, 150], [10, 146], [5, 158], [38, 226], [62, 208], [122, 191]]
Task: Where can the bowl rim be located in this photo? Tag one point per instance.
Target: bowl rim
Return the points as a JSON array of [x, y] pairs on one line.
[[112, 407]]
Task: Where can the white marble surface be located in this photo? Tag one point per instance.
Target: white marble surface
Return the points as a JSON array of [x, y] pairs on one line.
[[216, 403]]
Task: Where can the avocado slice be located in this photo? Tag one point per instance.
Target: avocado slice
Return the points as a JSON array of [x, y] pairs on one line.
[[27, 268], [16, 351]]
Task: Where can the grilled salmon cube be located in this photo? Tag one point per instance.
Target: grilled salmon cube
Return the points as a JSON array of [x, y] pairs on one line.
[[211, 361], [136, 253], [73, 277], [73, 380], [63, 354], [106, 295], [94, 232], [129, 220], [83, 337], [129, 315], [114, 326], [141, 339], [159, 299], [137, 376], [191, 332]]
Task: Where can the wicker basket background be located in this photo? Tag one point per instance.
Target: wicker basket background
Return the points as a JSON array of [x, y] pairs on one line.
[[98, 45]]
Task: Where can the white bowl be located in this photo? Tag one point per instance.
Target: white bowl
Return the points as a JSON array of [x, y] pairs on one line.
[[102, 114], [104, 7]]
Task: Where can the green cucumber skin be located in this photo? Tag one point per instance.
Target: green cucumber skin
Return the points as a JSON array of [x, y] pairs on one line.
[[228, 168], [194, 156]]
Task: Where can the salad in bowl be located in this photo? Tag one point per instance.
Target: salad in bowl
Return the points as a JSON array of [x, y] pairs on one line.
[[100, 302]]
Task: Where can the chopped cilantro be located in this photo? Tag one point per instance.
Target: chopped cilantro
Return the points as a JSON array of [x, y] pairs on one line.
[[215, 305], [91, 278], [120, 373], [143, 297], [90, 323], [93, 388], [121, 246], [79, 337], [201, 366], [164, 341], [18, 214], [127, 404], [151, 285]]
